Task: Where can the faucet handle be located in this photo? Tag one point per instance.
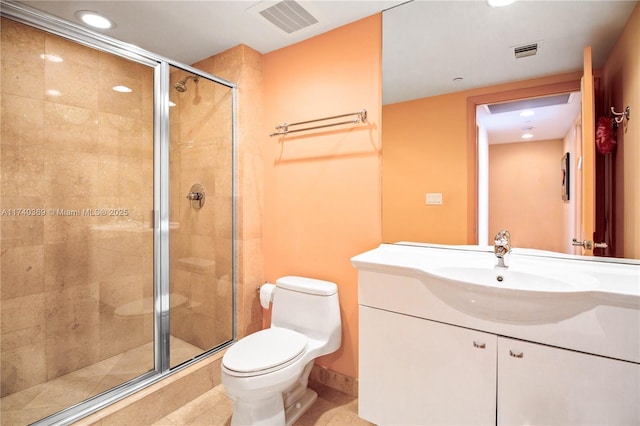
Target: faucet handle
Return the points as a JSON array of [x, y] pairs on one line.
[[502, 243], [503, 237]]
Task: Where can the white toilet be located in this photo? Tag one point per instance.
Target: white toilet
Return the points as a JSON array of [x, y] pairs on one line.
[[266, 373]]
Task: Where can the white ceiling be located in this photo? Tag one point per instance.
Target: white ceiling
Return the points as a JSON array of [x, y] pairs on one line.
[[547, 123], [425, 43], [188, 31]]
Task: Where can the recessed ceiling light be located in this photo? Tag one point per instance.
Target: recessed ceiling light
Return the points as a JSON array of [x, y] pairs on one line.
[[527, 136], [94, 19], [500, 3], [122, 89], [51, 58], [527, 113]]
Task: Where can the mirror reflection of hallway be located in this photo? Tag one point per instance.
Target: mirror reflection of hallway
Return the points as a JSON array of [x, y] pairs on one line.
[[522, 144]]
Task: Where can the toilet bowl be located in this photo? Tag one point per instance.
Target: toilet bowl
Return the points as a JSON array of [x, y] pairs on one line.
[[266, 373]]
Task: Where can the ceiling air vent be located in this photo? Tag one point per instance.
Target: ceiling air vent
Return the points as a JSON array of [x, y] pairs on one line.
[[525, 50], [289, 16]]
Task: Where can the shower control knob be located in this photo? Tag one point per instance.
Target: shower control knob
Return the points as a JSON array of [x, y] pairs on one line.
[[196, 196]]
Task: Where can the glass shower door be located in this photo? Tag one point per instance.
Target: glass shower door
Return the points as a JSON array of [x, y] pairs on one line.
[[77, 238], [201, 214], [117, 238]]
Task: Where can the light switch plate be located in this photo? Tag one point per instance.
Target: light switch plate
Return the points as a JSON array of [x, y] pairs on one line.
[[434, 198]]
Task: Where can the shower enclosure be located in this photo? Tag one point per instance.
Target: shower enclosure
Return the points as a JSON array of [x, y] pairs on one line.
[[117, 209]]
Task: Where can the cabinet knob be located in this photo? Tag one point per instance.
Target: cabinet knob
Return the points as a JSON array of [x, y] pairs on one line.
[[479, 345], [516, 354]]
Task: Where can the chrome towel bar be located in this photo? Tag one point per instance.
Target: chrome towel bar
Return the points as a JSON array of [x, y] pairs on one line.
[[283, 129]]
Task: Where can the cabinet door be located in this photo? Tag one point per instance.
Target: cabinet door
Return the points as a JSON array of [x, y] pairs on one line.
[[418, 372], [549, 386]]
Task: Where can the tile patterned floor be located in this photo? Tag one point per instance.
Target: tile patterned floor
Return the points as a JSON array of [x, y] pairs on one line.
[[37, 402], [214, 408]]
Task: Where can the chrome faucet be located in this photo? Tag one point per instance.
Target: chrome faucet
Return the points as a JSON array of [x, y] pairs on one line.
[[502, 247]]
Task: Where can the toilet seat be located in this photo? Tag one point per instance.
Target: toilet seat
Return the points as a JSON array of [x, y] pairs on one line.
[[264, 352]]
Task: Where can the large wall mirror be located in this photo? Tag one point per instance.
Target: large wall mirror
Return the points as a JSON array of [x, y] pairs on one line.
[[441, 59]]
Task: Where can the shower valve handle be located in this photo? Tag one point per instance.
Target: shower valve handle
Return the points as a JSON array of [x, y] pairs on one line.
[[195, 196]]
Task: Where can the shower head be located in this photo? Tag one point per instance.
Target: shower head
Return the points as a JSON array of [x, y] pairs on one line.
[[181, 86]]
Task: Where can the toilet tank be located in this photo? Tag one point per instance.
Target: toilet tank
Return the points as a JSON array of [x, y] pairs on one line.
[[308, 306]]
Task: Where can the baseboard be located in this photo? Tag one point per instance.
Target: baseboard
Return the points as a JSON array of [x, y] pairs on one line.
[[334, 380]]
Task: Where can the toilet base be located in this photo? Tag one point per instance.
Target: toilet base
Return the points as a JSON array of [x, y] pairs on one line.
[[269, 411], [299, 407]]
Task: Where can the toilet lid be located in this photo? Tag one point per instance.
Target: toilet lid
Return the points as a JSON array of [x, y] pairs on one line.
[[264, 351]]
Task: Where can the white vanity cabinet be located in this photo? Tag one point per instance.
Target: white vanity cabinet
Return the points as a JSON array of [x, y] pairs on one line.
[[541, 385], [416, 372], [445, 339]]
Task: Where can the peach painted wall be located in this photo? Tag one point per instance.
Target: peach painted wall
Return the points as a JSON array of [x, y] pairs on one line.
[[426, 153], [425, 150], [621, 78], [525, 195], [322, 188]]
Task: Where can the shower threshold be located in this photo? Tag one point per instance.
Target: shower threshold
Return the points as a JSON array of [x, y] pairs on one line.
[[39, 401]]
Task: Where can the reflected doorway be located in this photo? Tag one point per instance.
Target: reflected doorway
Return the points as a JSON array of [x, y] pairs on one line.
[[519, 178]]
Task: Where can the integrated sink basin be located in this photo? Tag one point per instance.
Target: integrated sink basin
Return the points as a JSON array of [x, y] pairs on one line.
[[509, 279], [508, 295], [535, 288]]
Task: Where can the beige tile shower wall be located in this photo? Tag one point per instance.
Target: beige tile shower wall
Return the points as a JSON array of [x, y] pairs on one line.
[[201, 255], [243, 66], [71, 143]]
